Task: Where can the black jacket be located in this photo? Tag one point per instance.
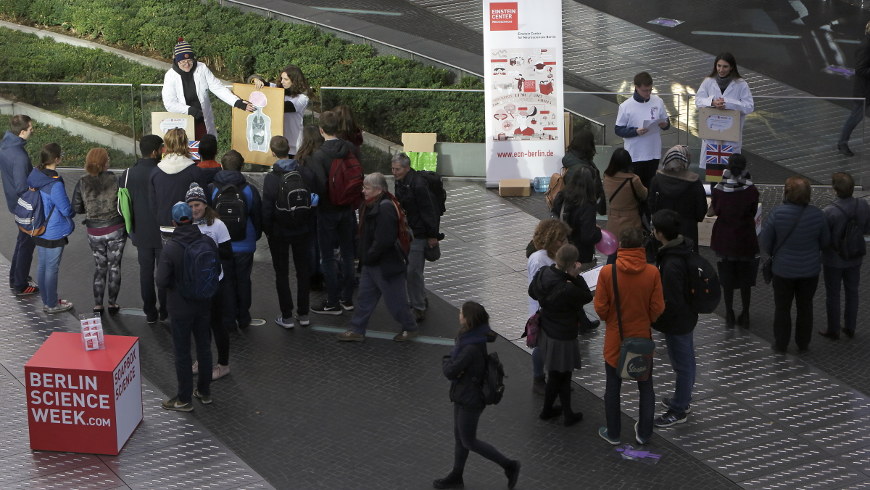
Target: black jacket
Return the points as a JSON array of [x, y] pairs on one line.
[[584, 232], [573, 163], [169, 184], [379, 232], [684, 193], [561, 298], [169, 270], [271, 187], [320, 162], [146, 232], [466, 368], [419, 205], [678, 318]]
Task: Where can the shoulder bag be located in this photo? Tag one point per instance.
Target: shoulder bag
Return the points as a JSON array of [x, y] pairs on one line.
[[635, 353]]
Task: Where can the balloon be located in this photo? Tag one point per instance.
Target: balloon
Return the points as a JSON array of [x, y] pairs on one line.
[[608, 243]]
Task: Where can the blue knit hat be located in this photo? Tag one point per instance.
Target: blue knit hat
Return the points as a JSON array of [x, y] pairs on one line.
[[182, 51], [181, 213]]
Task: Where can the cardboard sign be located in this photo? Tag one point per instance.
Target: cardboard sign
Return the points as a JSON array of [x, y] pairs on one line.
[[719, 124], [162, 122], [252, 131]]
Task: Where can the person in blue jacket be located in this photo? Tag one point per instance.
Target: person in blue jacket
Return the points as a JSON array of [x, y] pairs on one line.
[[237, 293], [15, 166], [59, 225]]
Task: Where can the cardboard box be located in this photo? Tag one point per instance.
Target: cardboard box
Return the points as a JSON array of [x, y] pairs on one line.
[[514, 187], [424, 142], [719, 124]]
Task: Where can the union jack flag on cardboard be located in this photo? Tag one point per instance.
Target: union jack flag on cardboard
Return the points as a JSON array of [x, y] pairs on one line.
[[717, 154], [194, 150]]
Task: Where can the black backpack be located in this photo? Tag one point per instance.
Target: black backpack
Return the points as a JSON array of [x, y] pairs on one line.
[[436, 187], [230, 206], [493, 380], [293, 204], [201, 270], [703, 291], [850, 244]]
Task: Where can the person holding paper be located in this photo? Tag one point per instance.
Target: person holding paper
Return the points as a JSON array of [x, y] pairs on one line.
[[723, 89], [639, 122]]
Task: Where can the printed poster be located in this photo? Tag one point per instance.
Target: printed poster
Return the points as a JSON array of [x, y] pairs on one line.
[[252, 131], [523, 89]]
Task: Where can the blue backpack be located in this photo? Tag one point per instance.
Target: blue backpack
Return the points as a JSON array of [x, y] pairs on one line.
[[200, 274], [30, 214]]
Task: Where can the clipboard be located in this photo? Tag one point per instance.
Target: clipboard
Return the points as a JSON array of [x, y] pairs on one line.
[[719, 124]]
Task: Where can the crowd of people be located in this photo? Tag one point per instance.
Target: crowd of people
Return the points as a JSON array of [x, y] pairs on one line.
[[653, 205], [181, 210]]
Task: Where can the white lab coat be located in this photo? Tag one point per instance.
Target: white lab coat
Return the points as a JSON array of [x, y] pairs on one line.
[[173, 94], [737, 97]]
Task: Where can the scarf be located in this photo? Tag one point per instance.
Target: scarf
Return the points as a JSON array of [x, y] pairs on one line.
[[188, 85], [477, 335], [723, 82], [731, 183]]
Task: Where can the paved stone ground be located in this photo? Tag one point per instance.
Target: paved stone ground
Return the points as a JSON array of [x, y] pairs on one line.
[[307, 412]]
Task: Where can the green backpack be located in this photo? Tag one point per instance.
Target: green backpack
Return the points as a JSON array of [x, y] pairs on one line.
[[125, 204]]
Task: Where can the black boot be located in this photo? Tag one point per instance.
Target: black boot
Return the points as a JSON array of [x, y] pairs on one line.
[[512, 472], [450, 481], [743, 319], [729, 318]]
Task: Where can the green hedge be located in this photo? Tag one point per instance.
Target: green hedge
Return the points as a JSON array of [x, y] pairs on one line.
[[236, 44]]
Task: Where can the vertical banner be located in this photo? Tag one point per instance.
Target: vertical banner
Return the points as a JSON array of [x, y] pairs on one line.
[[522, 46]]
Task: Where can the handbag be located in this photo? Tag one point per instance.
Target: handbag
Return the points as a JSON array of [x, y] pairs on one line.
[[533, 326], [642, 209], [125, 204], [635, 353], [767, 266]]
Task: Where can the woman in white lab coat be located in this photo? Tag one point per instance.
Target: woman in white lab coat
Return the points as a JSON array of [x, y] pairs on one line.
[[723, 89], [186, 86]]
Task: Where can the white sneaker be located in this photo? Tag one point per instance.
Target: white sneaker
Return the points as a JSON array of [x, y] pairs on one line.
[[288, 324], [219, 371], [62, 306], [303, 320]]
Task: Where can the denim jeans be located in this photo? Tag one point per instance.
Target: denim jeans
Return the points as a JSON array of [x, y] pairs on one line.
[[22, 258], [612, 411], [237, 292], [416, 285], [336, 230], [850, 277], [681, 350], [372, 285], [193, 318], [148, 258], [852, 122], [46, 273], [280, 250], [800, 290]]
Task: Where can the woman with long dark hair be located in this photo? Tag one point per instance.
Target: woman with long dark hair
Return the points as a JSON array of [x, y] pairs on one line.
[[624, 192], [723, 89], [58, 226], [296, 93], [465, 367]]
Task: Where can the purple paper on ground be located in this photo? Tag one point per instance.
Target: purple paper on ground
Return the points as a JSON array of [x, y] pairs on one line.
[[839, 70], [629, 452], [665, 22]]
